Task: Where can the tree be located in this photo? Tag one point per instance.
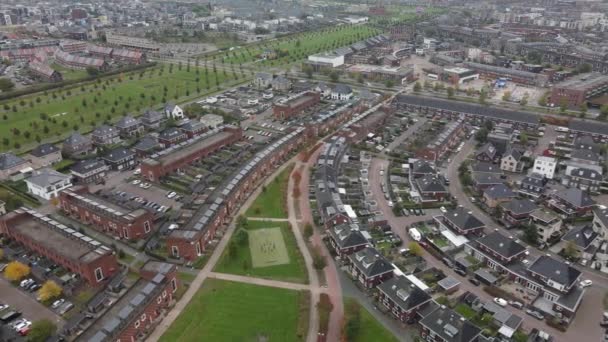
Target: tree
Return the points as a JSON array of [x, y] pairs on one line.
[[450, 92], [241, 237], [334, 76], [49, 290], [6, 84], [308, 232], [353, 320], [583, 109], [523, 138], [531, 234], [307, 69], [233, 250], [482, 135], [506, 96], [417, 87], [415, 248], [318, 259], [41, 330], [389, 83], [563, 104], [92, 71], [570, 251], [16, 271], [603, 112], [482, 97]]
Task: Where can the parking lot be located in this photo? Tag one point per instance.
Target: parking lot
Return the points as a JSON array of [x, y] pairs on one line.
[[26, 304]]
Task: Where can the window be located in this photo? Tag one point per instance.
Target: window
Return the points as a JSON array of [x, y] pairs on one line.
[[98, 274], [159, 299], [125, 232], [164, 294], [175, 251], [174, 284], [143, 316], [147, 227], [136, 324]]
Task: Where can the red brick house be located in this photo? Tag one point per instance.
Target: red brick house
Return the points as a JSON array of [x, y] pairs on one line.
[[496, 248], [463, 222], [91, 260], [517, 212], [295, 105], [107, 217], [369, 267], [571, 202], [346, 239], [402, 298]]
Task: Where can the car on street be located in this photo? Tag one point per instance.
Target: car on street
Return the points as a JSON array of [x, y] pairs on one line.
[[535, 314], [390, 204], [460, 271], [171, 194], [516, 304], [57, 303], [500, 301], [443, 210], [474, 281], [586, 283]]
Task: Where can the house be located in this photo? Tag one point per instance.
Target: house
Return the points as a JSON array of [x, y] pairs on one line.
[[281, 84], [171, 136], [497, 194], [485, 167], [483, 180], [487, 153], [369, 267], [346, 239], [212, 121], [571, 202], [496, 250], [548, 224], [44, 155], [446, 325], [120, 159], [463, 222], [341, 92], [554, 274], [193, 128], [600, 221], [532, 185], [517, 212], [174, 112], [421, 168], [262, 80], [323, 89], [583, 178], [89, 171], [402, 298], [105, 135], [431, 188], [76, 145], [11, 164], [129, 127], [585, 157], [584, 238], [585, 142], [47, 183], [511, 160], [152, 119], [146, 146], [545, 166]]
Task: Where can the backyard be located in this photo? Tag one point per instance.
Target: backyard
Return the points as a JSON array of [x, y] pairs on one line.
[[264, 249], [230, 311], [271, 201]]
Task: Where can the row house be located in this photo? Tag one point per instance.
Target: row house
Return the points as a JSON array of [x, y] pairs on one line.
[[583, 178], [107, 217], [516, 213], [120, 159], [402, 298], [496, 250], [146, 147], [105, 135], [190, 241], [129, 127], [462, 221], [171, 136], [447, 140], [89, 171], [533, 185], [482, 180], [346, 239], [193, 128], [369, 267], [431, 188], [90, 259], [571, 202]]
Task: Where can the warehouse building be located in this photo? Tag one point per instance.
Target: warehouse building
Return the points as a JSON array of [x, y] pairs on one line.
[[577, 90]]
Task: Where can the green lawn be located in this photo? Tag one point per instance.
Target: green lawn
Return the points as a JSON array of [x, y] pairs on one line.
[[294, 271], [70, 74], [271, 201], [370, 330], [53, 114], [230, 311], [465, 310]]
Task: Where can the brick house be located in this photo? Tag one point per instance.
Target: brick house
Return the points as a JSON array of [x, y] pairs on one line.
[[533, 185], [497, 194], [146, 146], [346, 239], [152, 119], [402, 298], [463, 222], [129, 127], [107, 217], [193, 128], [496, 248], [90, 259], [369, 267], [171, 136], [571, 202], [446, 325], [11, 164], [295, 105], [44, 155], [487, 153], [77, 145], [105, 135], [517, 212], [431, 188], [89, 171], [120, 159]]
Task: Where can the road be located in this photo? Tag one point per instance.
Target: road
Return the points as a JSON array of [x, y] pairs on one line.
[[411, 130], [29, 307]]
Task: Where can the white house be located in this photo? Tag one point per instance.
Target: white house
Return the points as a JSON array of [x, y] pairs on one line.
[[47, 183], [341, 92], [212, 120], [545, 166], [174, 112], [331, 59]]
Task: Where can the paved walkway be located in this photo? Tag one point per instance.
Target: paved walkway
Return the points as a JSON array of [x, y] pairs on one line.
[[259, 281], [267, 219]]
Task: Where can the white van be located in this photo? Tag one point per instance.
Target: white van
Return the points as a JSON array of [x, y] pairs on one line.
[[415, 234]]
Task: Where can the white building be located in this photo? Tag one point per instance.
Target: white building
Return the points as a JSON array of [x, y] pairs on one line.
[[174, 112], [429, 43], [47, 183], [545, 166], [212, 120], [332, 59]]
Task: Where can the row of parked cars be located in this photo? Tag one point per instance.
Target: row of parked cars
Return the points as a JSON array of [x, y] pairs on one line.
[[519, 305], [12, 318]]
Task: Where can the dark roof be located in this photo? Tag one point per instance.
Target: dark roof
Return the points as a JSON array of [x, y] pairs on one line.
[[582, 172], [105, 130], [516, 153], [450, 325], [403, 293], [486, 178], [342, 89], [76, 139], [576, 197], [462, 107], [485, 167], [118, 154], [586, 142], [87, 165], [44, 150], [422, 166], [370, 262], [582, 236], [430, 183], [520, 206], [501, 244], [534, 179], [463, 219], [152, 115], [585, 155], [592, 127], [347, 235], [127, 121], [499, 191], [602, 214], [555, 270], [146, 143], [488, 149], [8, 160], [170, 133]]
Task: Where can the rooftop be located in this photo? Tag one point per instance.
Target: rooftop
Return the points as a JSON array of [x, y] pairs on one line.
[[502, 245], [584, 82], [177, 152]]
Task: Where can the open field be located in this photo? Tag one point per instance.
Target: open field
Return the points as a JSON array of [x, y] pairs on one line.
[[240, 260], [70, 74], [370, 330], [230, 311], [55, 113], [267, 247], [270, 202]]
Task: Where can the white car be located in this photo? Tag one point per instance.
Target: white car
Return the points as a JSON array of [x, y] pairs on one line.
[[390, 204], [57, 303], [586, 283], [171, 194], [135, 182], [443, 210], [137, 171], [147, 185], [500, 301]]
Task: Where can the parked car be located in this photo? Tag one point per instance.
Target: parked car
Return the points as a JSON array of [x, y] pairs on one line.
[[474, 281], [57, 303], [586, 283], [500, 301], [516, 304], [443, 210], [460, 271], [535, 314]]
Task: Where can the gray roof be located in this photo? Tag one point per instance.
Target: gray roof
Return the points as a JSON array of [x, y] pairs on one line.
[[430, 183], [576, 197], [582, 236], [501, 244], [463, 219], [170, 133], [534, 180], [488, 149], [585, 155], [520, 206], [499, 191], [592, 127], [602, 214], [450, 325], [516, 153], [370, 262], [76, 139], [47, 177], [44, 150], [152, 115], [586, 173], [555, 270], [403, 293], [87, 165], [105, 130], [342, 89], [448, 283], [264, 75], [486, 178], [118, 154], [146, 143], [347, 235], [422, 166], [127, 122], [9, 160], [485, 167]]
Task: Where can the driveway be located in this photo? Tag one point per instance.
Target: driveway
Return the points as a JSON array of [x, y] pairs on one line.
[[29, 307]]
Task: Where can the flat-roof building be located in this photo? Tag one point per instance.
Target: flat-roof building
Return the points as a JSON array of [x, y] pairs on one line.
[[295, 105], [577, 90]]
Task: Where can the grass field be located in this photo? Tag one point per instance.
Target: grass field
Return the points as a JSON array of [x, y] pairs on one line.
[[267, 247], [271, 201], [228, 311], [55, 113], [369, 329], [241, 261], [70, 74]]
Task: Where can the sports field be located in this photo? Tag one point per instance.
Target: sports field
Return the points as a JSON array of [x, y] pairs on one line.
[[267, 247], [248, 259], [229, 311], [56, 113]]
